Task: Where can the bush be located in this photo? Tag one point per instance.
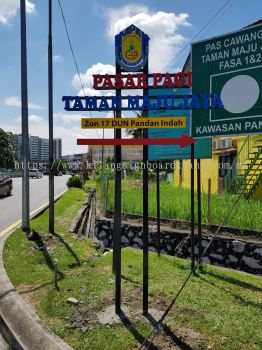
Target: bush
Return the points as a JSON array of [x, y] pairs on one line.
[[74, 181]]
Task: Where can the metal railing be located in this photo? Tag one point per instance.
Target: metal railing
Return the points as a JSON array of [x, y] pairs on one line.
[[230, 180]]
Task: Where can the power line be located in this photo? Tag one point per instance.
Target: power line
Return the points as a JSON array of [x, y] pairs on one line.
[[200, 31], [73, 54]]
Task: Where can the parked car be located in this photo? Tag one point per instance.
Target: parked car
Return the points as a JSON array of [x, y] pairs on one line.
[[35, 173], [6, 184]]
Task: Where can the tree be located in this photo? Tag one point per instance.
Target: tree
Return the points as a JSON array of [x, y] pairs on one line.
[[7, 154], [136, 133]]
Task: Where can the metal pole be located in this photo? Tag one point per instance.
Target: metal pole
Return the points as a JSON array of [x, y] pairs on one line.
[[25, 135], [158, 208], [192, 208], [117, 215], [103, 153], [145, 210], [199, 216], [51, 136]]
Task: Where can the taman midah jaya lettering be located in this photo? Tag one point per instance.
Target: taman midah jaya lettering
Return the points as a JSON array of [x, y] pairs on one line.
[[167, 102]]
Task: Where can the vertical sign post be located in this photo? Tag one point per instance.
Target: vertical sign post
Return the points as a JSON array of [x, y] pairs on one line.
[[131, 47], [50, 107], [117, 213], [158, 207], [145, 210], [199, 214], [25, 136], [192, 207]]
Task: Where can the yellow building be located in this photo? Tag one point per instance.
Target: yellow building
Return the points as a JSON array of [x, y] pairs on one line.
[[236, 163]]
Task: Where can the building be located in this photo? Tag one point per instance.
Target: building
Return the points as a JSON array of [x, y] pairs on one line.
[[44, 150], [75, 160], [129, 153], [38, 148]]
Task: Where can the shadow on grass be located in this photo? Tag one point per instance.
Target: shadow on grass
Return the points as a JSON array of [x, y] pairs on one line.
[[67, 246], [43, 249], [147, 344], [179, 342], [232, 280], [139, 337], [237, 297]]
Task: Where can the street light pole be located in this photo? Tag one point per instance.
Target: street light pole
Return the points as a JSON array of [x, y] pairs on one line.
[[25, 135], [51, 136]]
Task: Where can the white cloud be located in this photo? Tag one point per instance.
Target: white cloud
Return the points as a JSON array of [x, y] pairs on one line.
[[8, 9], [38, 126], [58, 58], [68, 118], [87, 79], [15, 101], [162, 28]]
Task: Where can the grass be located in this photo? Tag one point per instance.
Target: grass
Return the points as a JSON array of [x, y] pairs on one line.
[[222, 308], [90, 184], [175, 204]]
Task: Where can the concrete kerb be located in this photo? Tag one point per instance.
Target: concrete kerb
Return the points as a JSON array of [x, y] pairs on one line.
[[21, 327]]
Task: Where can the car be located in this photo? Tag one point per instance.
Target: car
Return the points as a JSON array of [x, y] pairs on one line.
[[6, 185], [35, 173]]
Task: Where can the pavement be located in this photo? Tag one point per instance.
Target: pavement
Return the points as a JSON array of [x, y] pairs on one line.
[[11, 207]]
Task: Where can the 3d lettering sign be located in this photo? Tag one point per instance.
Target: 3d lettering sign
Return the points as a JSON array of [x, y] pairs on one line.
[[131, 46], [142, 81], [160, 102]]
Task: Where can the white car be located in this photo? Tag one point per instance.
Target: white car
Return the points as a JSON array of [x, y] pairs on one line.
[[35, 173]]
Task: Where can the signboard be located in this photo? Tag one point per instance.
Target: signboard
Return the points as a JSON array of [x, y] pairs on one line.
[[131, 47], [202, 147], [133, 123], [230, 66]]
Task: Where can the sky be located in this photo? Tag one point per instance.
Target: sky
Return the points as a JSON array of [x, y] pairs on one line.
[[92, 25]]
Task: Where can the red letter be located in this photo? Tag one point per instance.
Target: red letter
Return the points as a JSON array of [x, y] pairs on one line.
[[108, 83], [180, 79], [97, 80], [129, 82], [157, 77], [168, 82], [142, 81], [118, 81]]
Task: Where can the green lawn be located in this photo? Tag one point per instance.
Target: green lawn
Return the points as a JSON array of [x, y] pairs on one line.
[[175, 204], [219, 310]]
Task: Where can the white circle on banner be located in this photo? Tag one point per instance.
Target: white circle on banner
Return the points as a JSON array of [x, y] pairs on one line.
[[240, 93]]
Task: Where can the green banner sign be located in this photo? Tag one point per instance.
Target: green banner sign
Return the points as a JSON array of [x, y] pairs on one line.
[[231, 66]]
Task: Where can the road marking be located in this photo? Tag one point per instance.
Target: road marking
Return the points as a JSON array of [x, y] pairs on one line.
[[19, 222]]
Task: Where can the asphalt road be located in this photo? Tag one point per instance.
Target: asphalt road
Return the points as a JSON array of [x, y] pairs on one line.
[[11, 207]]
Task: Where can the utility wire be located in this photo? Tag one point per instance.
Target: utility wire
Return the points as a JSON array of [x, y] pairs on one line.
[[199, 32], [70, 44], [158, 326], [74, 57]]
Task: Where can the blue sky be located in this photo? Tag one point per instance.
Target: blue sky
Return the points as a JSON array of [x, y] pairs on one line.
[[92, 26]]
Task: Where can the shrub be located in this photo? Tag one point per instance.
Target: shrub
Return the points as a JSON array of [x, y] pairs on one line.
[[74, 181]]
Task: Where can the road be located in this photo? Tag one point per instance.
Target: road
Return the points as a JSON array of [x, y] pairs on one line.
[[11, 207]]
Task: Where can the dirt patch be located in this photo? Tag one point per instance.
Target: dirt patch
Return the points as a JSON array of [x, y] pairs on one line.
[[191, 312], [81, 317], [179, 339], [159, 301]]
